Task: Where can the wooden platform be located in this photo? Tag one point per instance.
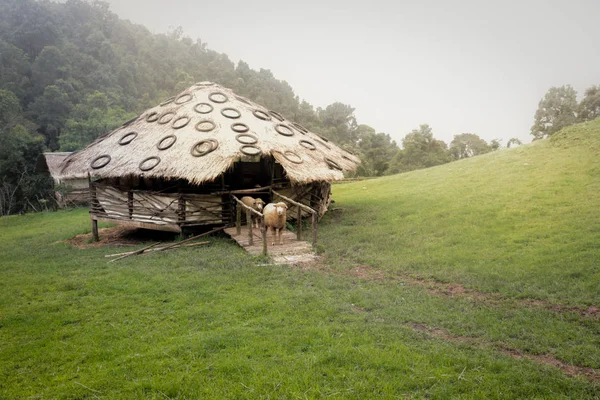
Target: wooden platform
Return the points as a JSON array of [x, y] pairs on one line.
[[292, 251]]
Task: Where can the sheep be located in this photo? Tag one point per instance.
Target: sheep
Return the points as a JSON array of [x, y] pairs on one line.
[[274, 217], [256, 204]]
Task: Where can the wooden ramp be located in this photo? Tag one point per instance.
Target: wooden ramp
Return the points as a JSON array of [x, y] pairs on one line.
[[292, 251]]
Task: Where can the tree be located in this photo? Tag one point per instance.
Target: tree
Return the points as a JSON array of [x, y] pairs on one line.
[[513, 142], [14, 67], [18, 153], [377, 150], [556, 110], [10, 110], [49, 66], [468, 145], [91, 119], [589, 108], [338, 123], [495, 144], [51, 111], [420, 150]]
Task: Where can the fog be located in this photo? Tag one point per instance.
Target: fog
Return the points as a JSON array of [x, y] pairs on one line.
[[460, 66]]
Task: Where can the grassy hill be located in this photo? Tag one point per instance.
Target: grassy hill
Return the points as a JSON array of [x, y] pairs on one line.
[[476, 279], [523, 222]]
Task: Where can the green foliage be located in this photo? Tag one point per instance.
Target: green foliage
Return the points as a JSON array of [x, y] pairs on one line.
[[51, 111], [338, 123], [468, 145], [556, 110], [19, 149], [14, 69], [49, 66], [91, 119], [10, 110], [495, 144], [513, 142], [19, 186], [377, 151], [420, 150], [589, 108]]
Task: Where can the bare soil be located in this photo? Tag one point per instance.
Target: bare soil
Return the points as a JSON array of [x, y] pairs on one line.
[[568, 369], [456, 290], [118, 236]]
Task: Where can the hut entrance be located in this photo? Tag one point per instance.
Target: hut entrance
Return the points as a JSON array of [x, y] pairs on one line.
[[253, 174]]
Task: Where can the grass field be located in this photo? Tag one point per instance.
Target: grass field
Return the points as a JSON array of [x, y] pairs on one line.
[[477, 279]]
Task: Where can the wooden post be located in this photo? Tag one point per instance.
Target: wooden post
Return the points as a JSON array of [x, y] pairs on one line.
[[299, 224], [249, 222], [272, 172], [95, 235], [180, 208], [93, 205], [263, 231], [130, 203], [238, 220], [314, 229]]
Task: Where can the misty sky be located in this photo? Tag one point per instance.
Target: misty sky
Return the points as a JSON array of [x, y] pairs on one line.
[[460, 66]]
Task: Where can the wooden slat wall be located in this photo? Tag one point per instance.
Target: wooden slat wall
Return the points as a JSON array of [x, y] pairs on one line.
[[158, 208]]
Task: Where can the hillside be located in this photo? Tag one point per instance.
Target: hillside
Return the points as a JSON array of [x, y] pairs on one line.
[[522, 222], [477, 279]]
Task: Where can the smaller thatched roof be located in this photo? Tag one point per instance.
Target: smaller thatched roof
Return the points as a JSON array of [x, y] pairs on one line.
[[198, 134], [52, 163]]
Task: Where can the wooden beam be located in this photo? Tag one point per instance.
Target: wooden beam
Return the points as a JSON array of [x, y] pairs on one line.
[[243, 191], [294, 202], [155, 249], [249, 223], [130, 203], [95, 236], [314, 229], [263, 231], [93, 201], [180, 208], [133, 253], [299, 224], [192, 238], [238, 220], [137, 224]]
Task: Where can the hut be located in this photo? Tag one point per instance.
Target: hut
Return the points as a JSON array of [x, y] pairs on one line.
[[178, 164], [68, 191]]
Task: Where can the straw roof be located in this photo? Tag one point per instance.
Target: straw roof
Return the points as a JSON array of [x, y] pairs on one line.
[[198, 134], [52, 163]]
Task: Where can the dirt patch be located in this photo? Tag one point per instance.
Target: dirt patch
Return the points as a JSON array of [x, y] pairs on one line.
[[589, 373], [568, 369], [448, 289], [589, 312], [438, 288], [118, 236], [366, 272], [358, 309]]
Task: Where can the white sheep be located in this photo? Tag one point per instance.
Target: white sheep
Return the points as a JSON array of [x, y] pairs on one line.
[[256, 204], [274, 217]]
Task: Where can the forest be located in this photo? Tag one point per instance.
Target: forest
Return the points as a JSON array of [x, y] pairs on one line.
[[71, 71]]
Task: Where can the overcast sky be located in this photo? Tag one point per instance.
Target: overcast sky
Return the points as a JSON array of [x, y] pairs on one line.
[[458, 65]]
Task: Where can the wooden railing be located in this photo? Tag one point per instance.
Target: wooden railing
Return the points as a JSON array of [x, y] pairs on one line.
[[249, 212], [313, 221]]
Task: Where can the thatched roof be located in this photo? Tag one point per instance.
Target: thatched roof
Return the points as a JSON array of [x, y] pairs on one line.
[[52, 163], [200, 133]]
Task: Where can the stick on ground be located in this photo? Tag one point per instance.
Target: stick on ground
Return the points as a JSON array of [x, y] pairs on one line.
[[133, 253]]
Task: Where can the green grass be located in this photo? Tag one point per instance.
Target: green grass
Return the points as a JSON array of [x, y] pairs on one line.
[[213, 322], [523, 222]]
